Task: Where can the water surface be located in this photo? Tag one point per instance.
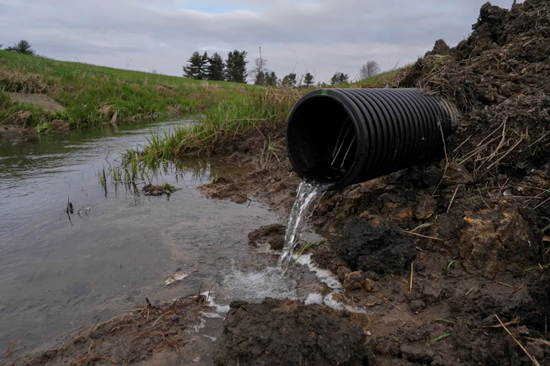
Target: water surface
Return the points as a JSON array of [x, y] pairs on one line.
[[58, 276]]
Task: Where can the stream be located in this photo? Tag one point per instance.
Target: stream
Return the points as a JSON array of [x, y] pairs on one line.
[[59, 276]]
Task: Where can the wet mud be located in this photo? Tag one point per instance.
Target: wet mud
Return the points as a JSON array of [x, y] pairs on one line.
[[279, 332], [448, 261]]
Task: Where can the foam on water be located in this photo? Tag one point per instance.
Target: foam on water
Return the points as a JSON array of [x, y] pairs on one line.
[[256, 286], [325, 276], [211, 303], [314, 298]]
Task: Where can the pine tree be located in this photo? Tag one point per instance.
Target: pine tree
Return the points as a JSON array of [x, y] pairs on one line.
[[215, 68], [235, 67], [308, 79], [23, 47], [197, 66], [260, 78], [271, 79], [339, 78], [289, 80]]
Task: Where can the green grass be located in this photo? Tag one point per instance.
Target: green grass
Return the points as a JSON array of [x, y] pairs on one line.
[[390, 78], [269, 107], [94, 94]]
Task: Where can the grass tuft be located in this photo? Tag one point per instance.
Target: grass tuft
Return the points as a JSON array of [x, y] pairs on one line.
[[230, 117]]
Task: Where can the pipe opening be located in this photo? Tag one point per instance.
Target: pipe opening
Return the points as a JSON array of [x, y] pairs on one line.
[[322, 140]]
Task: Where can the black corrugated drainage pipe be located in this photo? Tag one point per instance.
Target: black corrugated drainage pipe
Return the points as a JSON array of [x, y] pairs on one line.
[[348, 136]]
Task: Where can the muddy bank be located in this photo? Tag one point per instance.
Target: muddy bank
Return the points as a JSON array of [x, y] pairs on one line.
[[451, 257], [150, 335]]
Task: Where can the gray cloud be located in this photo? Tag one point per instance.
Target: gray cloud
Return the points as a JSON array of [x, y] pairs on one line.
[[321, 36]]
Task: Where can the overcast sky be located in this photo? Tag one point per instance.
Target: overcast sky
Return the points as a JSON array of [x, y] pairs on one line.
[[319, 36]]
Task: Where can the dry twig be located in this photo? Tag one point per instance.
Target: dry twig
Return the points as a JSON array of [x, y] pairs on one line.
[[533, 359]]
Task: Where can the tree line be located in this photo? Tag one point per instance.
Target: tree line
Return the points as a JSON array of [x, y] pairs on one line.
[[201, 66], [233, 68], [204, 67]]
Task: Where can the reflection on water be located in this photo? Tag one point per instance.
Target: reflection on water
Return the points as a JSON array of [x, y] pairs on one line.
[[62, 272], [57, 276]]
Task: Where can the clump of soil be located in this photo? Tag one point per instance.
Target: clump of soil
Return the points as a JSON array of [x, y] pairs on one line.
[[273, 235], [279, 332], [158, 190], [150, 335], [224, 188]]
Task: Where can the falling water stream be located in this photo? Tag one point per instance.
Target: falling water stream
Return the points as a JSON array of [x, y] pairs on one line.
[[308, 194]]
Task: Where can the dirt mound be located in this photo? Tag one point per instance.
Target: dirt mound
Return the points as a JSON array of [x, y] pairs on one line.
[[151, 335], [440, 253], [500, 78], [456, 243], [447, 247], [289, 333]]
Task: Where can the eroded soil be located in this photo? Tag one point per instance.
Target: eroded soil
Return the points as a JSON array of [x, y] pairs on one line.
[[39, 100]]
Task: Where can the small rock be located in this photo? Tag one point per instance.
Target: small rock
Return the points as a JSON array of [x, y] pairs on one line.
[[354, 280], [369, 285], [431, 292], [274, 235], [457, 174], [425, 208], [239, 198], [523, 330], [418, 305]]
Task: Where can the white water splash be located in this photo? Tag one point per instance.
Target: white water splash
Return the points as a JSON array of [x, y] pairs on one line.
[[256, 286], [314, 298], [307, 195]]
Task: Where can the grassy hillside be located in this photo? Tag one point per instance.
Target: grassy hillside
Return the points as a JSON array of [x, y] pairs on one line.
[[390, 78], [93, 94]]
